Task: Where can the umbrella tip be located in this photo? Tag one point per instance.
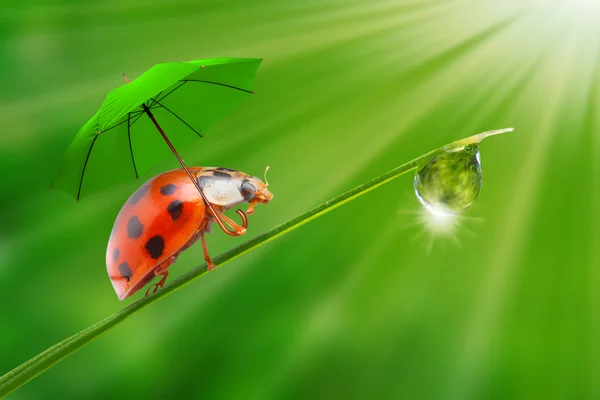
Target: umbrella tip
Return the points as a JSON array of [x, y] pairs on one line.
[[203, 66], [125, 76]]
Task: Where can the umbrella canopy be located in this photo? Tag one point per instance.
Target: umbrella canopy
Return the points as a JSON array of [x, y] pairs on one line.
[[121, 141]]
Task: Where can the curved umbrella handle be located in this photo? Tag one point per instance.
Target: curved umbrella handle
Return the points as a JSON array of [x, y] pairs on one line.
[[237, 229]]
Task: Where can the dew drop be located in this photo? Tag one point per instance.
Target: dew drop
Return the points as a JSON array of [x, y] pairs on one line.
[[450, 182]]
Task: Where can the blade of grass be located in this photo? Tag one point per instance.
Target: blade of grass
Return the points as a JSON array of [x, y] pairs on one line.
[[38, 364]]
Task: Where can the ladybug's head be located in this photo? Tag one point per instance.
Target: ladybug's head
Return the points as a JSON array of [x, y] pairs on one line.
[[255, 191]]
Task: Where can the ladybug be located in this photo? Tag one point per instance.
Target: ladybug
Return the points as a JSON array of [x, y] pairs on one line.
[[166, 215]]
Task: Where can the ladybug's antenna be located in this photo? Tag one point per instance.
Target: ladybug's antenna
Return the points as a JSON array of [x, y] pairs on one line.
[[266, 182]]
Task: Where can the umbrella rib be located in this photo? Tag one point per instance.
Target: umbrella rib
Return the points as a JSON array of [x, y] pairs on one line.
[[135, 113], [137, 117], [85, 165], [130, 124], [114, 126], [130, 146], [220, 84], [179, 118], [154, 100], [162, 98]]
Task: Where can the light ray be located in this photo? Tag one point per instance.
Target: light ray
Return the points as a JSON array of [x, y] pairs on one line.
[[487, 310], [437, 227]]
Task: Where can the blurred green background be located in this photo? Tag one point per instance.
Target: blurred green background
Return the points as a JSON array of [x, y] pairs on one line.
[[369, 301]]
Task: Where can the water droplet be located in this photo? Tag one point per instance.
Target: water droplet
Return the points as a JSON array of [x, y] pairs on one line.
[[451, 181]]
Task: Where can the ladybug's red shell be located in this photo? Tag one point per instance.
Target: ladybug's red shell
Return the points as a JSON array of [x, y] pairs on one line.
[[155, 223]]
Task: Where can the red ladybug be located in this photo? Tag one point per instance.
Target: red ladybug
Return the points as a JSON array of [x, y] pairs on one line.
[[166, 215]]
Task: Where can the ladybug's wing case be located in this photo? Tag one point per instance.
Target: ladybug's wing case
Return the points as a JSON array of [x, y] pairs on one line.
[[153, 225]]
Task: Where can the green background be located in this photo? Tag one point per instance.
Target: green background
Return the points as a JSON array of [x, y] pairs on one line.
[[374, 300]]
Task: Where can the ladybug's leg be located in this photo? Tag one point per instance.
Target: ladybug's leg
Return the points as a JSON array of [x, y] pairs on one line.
[[211, 265], [161, 270], [158, 285], [250, 209]]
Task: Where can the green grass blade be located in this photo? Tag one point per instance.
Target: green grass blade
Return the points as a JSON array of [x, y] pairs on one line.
[[38, 364]]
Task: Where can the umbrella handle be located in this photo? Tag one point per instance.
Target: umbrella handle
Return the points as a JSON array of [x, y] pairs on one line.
[[237, 229]]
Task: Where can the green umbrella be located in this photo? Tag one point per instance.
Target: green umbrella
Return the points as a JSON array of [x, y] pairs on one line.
[[127, 135]]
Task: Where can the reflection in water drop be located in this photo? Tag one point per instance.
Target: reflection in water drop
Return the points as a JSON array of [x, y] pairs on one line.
[[450, 182]]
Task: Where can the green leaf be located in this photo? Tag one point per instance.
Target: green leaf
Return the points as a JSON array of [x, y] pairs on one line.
[[38, 364]]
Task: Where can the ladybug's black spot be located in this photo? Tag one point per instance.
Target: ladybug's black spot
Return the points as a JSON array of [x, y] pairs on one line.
[[174, 208], [204, 180], [155, 246], [224, 169], [221, 175], [134, 227], [248, 190], [125, 271], [137, 196], [115, 254], [168, 189]]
